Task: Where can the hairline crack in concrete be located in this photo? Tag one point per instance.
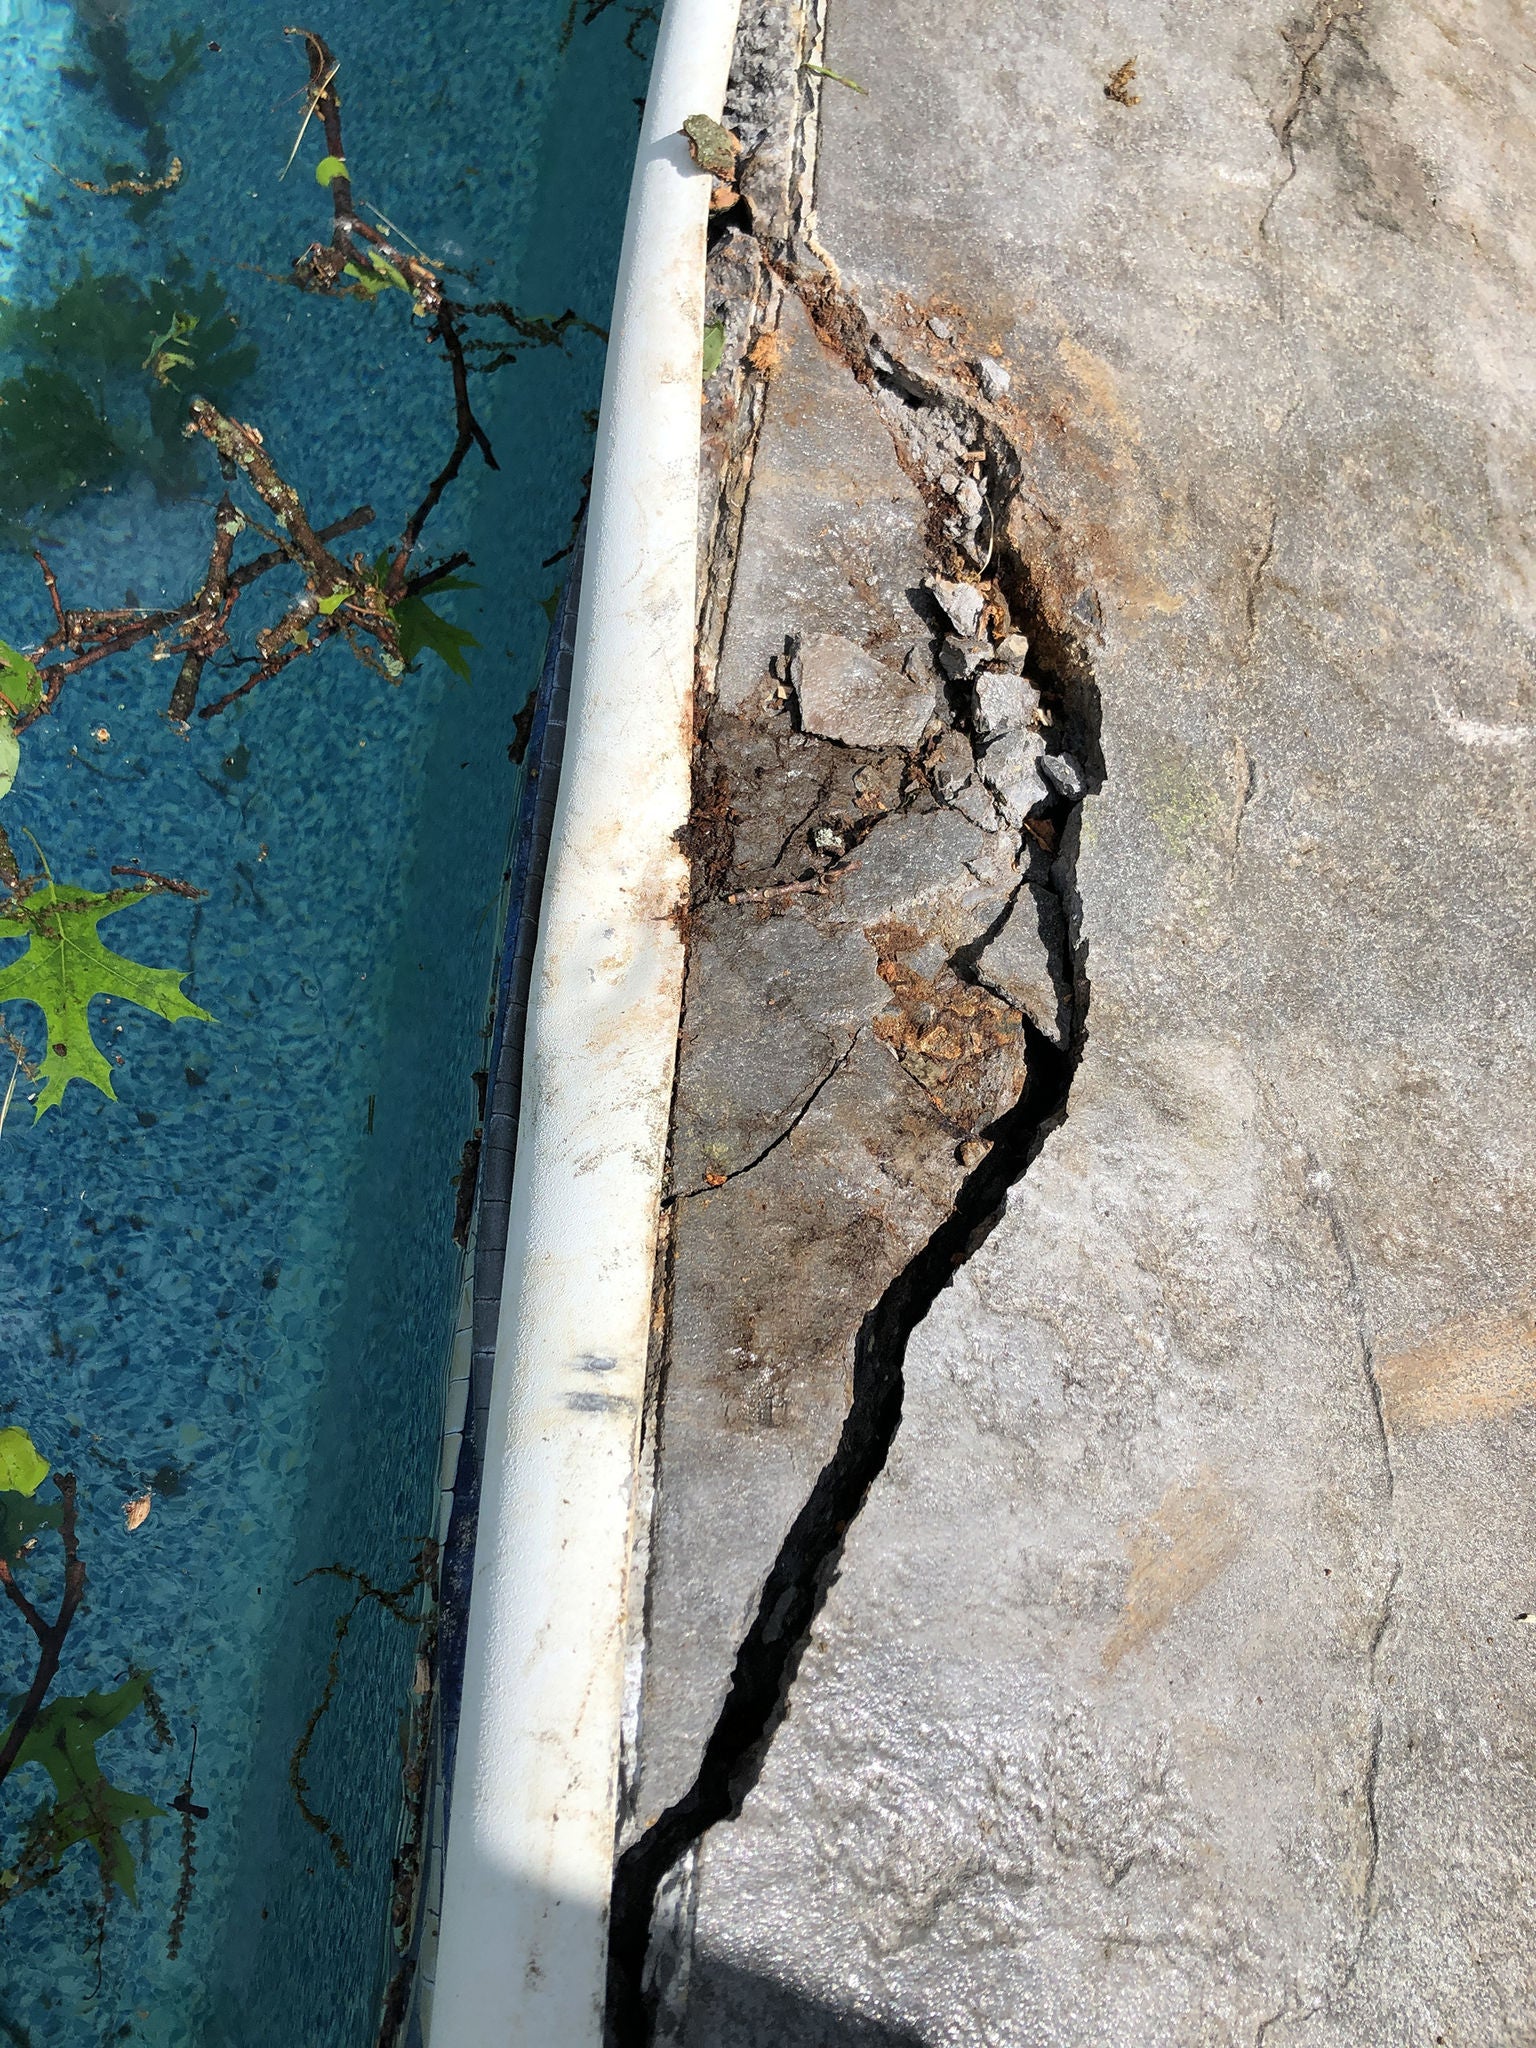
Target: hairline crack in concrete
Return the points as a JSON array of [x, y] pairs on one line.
[[1307, 40], [1320, 1191]]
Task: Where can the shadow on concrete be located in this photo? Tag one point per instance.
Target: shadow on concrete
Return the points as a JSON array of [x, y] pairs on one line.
[[729, 2007]]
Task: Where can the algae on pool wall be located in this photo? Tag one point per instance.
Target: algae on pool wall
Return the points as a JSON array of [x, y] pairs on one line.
[[230, 1267]]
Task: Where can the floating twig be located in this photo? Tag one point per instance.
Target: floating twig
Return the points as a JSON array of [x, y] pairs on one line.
[[163, 882], [49, 1634]]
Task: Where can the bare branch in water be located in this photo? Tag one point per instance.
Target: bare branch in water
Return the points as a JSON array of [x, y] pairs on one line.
[[50, 1634]]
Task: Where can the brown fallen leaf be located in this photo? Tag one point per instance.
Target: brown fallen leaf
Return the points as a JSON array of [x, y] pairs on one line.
[[136, 1511]]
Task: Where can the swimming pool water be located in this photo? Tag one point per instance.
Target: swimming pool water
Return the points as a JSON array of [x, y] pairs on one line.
[[234, 1287]]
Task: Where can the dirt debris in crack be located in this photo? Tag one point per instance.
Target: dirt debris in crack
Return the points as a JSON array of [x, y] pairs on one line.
[[1013, 748]]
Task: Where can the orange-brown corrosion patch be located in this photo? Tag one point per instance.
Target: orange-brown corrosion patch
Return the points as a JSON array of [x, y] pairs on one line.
[[1175, 1554], [1484, 1367], [963, 1047]]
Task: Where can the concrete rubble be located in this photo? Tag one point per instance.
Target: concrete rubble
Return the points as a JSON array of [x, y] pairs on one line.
[[843, 695], [1093, 1544]]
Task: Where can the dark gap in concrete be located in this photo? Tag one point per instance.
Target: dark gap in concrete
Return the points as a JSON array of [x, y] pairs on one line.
[[807, 1563], [1058, 665], [769, 1656], [779, 2012], [770, 1653], [738, 216]]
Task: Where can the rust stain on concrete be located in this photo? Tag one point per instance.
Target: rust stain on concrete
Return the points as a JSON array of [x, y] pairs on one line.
[[1485, 1366], [1175, 1554], [1096, 382]]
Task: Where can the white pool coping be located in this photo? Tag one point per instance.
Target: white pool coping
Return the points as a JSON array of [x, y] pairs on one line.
[[522, 1947]]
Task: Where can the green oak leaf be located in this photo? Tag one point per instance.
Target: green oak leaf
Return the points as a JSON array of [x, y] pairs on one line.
[[65, 965], [379, 275], [21, 687], [425, 631], [20, 683], [23, 1468], [87, 1808]]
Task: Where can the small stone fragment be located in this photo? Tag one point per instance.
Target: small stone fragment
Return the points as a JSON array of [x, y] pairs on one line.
[[961, 603], [1010, 767], [941, 328], [847, 696], [969, 498], [1063, 774], [914, 869], [929, 961], [974, 803], [1012, 650], [994, 379], [951, 764], [1026, 963], [1002, 702], [878, 787], [713, 148], [972, 1152], [949, 482], [962, 658]]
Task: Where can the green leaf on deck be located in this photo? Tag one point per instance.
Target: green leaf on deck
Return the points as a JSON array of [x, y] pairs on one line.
[[837, 78]]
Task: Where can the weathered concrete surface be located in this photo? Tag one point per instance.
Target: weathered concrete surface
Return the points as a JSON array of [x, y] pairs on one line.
[[1175, 1686], [833, 536]]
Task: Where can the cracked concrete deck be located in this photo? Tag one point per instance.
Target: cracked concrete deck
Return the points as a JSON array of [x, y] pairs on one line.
[[1173, 1680]]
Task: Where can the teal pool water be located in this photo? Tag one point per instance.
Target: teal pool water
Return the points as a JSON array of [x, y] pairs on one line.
[[233, 1288]]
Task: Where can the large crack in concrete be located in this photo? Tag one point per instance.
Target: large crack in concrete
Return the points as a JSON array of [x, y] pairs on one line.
[[1133, 1710], [1014, 749]]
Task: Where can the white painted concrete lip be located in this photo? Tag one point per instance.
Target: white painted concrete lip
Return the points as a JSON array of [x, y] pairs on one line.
[[523, 1947]]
